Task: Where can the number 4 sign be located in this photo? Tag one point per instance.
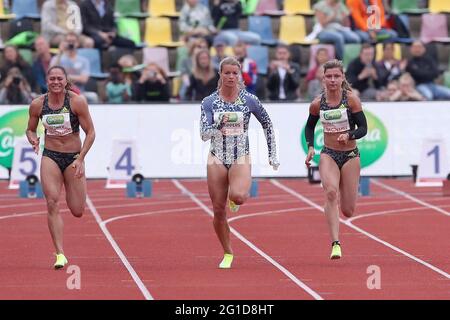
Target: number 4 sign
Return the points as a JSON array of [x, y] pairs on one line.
[[25, 162], [124, 163], [433, 166]]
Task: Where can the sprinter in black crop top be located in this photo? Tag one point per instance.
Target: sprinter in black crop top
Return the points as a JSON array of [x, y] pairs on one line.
[[340, 112], [62, 112]]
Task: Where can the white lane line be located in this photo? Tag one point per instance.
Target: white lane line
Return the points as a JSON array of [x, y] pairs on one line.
[[119, 252], [314, 294], [410, 197], [105, 222], [264, 213], [380, 213], [371, 236]]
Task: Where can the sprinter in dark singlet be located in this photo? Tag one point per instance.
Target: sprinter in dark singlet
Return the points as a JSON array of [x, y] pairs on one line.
[[62, 112], [343, 121]]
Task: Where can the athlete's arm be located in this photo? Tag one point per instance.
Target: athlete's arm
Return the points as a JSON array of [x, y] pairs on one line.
[[358, 115], [208, 128], [33, 121], [81, 109], [263, 117], [313, 117]]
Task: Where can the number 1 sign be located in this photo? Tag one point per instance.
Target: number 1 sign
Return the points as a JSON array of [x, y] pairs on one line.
[[433, 166], [25, 162], [124, 163]]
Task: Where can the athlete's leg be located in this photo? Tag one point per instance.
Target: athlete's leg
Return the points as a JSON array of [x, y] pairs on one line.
[[217, 175], [239, 177], [330, 176], [52, 180], [75, 192], [348, 187]]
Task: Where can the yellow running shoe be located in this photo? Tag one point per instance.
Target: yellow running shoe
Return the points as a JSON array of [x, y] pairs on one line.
[[226, 262], [233, 206], [336, 250], [61, 261]]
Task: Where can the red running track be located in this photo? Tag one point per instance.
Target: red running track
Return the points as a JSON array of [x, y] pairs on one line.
[[164, 247]]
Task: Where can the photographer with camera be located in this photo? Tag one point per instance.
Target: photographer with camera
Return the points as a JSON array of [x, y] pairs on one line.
[[11, 59], [77, 67], [152, 85], [15, 88]]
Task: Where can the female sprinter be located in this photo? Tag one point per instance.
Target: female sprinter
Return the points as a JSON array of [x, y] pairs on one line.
[[225, 117], [62, 112], [339, 110]]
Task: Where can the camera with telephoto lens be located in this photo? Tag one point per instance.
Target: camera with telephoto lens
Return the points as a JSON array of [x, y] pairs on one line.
[[16, 80]]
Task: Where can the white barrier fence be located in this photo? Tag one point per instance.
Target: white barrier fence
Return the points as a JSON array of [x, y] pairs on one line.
[[169, 145]]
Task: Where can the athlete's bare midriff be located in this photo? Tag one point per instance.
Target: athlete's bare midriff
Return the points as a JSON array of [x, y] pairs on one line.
[[330, 141], [69, 143]]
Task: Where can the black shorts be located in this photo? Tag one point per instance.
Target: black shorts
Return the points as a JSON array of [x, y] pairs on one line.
[[341, 157], [62, 159]]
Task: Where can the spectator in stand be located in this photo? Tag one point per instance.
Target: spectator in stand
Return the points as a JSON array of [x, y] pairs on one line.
[[362, 74], [220, 45], [314, 75], [15, 88], [406, 90], [117, 90], [249, 67], [203, 80], [77, 67], [386, 94], [99, 24], [58, 18], [424, 71], [153, 84], [195, 21], [226, 15], [11, 59], [389, 68], [366, 22], [188, 63], [333, 17], [284, 76], [41, 63], [128, 62]]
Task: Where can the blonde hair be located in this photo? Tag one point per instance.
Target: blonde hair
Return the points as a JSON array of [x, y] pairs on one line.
[[334, 63], [196, 71], [230, 61]]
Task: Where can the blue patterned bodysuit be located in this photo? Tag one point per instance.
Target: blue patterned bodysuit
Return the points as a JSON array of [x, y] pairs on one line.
[[228, 148]]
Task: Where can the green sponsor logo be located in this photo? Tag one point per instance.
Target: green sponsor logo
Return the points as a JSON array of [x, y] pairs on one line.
[[12, 124], [332, 115], [56, 119], [372, 146]]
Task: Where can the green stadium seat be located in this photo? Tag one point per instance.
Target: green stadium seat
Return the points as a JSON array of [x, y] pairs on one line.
[[129, 8], [249, 6], [351, 52], [407, 6], [129, 28], [27, 55]]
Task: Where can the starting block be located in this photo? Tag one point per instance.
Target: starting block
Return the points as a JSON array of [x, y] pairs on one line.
[[364, 186], [138, 187], [30, 188], [254, 188]]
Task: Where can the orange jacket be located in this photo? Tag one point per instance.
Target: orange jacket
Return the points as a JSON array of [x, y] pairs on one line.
[[358, 10]]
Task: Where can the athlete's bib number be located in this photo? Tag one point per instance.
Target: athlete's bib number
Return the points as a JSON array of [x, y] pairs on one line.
[[335, 120], [235, 124]]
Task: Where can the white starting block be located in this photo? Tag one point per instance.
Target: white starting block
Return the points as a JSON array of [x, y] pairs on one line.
[[30, 188], [138, 187]]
